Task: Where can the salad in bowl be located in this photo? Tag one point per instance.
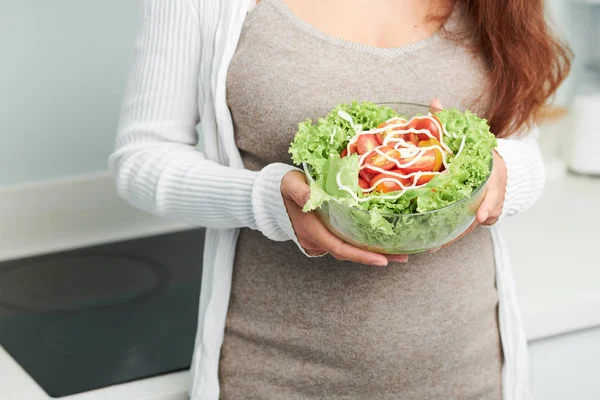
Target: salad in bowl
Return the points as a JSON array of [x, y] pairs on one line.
[[395, 178]]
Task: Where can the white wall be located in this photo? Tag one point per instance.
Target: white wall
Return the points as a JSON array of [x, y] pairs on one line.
[[64, 65], [574, 21], [63, 70]]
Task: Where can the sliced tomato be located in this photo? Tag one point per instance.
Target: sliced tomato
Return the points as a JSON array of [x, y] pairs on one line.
[[344, 153], [425, 123], [411, 137], [438, 154], [366, 175], [381, 135], [426, 163], [366, 143], [394, 132], [363, 184], [388, 186], [408, 137], [353, 148], [377, 160], [396, 171]]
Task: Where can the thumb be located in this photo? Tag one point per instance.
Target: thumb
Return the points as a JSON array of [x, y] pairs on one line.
[[487, 205], [435, 104], [298, 190]]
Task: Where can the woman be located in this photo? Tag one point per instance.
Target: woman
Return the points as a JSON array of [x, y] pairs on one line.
[[275, 323]]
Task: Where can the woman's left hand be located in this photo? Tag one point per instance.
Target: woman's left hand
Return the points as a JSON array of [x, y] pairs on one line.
[[491, 207]]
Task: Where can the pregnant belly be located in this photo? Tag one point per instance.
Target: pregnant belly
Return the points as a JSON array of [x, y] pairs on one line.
[[323, 328]]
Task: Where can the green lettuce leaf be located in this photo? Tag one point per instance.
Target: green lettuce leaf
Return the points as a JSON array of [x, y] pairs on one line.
[[326, 187]]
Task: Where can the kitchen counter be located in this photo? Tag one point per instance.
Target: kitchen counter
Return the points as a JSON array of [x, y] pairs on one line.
[[554, 252]]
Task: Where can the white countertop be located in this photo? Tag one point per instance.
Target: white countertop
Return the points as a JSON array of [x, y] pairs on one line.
[[16, 384], [555, 250]]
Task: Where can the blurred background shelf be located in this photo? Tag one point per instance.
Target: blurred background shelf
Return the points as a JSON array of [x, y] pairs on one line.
[[596, 2]]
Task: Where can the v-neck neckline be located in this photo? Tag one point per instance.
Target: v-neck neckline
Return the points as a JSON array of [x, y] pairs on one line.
[[387, 52]]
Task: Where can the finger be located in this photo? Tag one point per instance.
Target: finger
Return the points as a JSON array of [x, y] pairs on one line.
[[491, 202], [345, 252], [435, 105], [493, 218], [399, 258], [490, 221], [340, 250], [297, 189], [315, 253]]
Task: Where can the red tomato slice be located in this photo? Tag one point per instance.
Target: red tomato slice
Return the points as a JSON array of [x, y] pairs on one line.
[[409, 137], [353, 148], [425, 123], [388, 186], [377, 160], [426, 163], [381, 135], [412, 138], [366, 175], [397, 171], [344, 152], [363, 184], [366, 143]]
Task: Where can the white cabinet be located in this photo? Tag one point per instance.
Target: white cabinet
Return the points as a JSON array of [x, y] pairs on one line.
[[566, 367]]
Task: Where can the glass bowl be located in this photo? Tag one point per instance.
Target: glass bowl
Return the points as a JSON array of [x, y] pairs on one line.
[[411, 233]]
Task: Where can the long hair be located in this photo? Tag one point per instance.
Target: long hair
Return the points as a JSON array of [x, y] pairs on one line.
[[527, 63]]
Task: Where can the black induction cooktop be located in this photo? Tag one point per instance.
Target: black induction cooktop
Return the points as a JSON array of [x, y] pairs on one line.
[[98, 316]]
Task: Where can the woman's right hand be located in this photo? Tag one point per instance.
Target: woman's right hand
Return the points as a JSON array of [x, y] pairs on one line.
[[313, 236]]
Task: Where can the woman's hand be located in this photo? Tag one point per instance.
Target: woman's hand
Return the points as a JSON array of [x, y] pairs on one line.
[[491, 207], [313, 236]]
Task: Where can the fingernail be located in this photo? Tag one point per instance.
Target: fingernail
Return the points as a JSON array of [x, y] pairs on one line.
[[381, 263], [306, 198], [434, 250]]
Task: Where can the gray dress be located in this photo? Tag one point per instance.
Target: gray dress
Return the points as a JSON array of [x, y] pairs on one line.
[[316, 328]]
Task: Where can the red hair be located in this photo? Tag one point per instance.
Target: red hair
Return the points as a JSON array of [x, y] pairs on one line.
[[527, 63]]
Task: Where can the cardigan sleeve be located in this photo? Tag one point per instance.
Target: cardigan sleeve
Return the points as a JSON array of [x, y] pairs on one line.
[[525, 172], [156, 163]]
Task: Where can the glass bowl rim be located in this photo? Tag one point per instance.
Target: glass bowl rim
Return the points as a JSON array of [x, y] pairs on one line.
[[387, 103]]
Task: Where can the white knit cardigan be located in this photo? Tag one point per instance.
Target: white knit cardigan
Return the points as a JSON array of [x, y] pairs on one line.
[[178, 78]]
